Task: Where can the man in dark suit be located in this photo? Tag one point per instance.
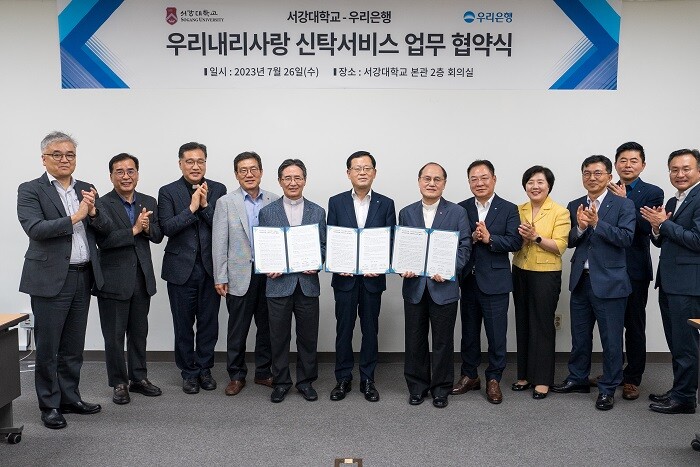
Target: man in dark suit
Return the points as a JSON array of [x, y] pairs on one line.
[[431, 303], [185, 212], [293, 294], [125, 260], [58, 214], [232, 250], [358, 295], [486, 280], [630, 161], [602, 228], [676, 229]]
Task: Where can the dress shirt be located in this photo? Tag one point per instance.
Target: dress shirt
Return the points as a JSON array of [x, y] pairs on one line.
[[361, 207], [130, 208], [79, 253], [294, 210], [680, 196], [429, 211], [483, 209], [592, 203], [252, 209]]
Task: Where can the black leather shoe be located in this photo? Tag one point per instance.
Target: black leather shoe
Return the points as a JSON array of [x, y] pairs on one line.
[[569, 386], [520, 387], [604, 402], [121, 394], [308, 392], [81, 407], [660, 397], [53, 419], [278, 394], [207, 381], [417, 399], [537, 395], [190, 385], [672, 407], [440, 402], [340, 389], [145, 387], [370, 392]]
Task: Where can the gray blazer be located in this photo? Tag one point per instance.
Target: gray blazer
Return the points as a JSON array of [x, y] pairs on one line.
[[120, 252], [48, 226], [273, 215], [231, 241]]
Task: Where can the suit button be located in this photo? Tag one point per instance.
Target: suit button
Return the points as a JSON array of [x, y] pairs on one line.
[[68, 258]]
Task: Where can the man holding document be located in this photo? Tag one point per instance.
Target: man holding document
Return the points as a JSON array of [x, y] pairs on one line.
[[430, 290], [289, 247], [358, 294]]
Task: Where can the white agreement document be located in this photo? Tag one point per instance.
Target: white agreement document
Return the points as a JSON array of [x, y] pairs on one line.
[[442, 254], [410, 247], [374, 247], [304, 248], [270, 250], [341, 249]]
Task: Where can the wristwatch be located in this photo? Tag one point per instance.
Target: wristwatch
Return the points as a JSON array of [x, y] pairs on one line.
[[538, 239]]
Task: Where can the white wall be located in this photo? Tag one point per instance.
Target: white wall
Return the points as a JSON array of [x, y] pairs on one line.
[[656, 104]]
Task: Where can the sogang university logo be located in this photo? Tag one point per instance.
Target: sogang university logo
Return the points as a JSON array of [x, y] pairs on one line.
[[469, 17], [171, 15]]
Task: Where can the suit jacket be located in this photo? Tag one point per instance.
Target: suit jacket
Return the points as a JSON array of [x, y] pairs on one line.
[[490, 263], [604, 247], [120, 252], [273, 215], [49, 228], [553, 222], [679, 263], [639, 265], [341, 213], [449, 216], [231, 241], [187, 232]]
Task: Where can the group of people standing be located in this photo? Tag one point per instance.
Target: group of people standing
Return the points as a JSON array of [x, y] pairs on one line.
[[80, 244]]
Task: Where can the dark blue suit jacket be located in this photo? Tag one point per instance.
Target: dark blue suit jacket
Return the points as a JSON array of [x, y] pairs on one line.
[[604, 247], [638, 258], [679, 263], [186, 232], [341, 213], [449, 216], [491, 263]]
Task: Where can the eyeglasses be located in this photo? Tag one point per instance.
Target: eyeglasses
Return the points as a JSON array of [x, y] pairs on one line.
[[683, 170], [245, 171], [436, 180], [483, 179], [57, 156], [358, 170], [192, 162], [597, 174], [289, 179], [128, 172]]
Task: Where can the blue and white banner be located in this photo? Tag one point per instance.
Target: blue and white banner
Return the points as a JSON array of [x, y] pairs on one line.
[[480, 44]]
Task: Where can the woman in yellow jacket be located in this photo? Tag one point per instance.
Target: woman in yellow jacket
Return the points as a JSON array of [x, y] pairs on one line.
[[544, 226]]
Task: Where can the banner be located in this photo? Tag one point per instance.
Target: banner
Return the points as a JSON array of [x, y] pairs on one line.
[[495, 44]]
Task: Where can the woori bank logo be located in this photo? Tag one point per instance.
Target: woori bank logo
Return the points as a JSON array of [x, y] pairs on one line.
[[469, 17], [488, 16]]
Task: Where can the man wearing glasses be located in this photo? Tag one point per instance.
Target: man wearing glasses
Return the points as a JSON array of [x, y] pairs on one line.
[[186, 212], [125, 260], [430, 303], [602, 228], [358, 295], [232, 249], [676, 229], [486, 280], [294, 294], [58, 214]]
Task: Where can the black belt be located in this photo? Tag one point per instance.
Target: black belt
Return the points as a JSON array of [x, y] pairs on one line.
[[79, 267]]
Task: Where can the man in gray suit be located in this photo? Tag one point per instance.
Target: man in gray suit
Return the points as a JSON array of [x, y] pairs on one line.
[[125, 260], [232, 250], [295, 293], [59, 216]]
